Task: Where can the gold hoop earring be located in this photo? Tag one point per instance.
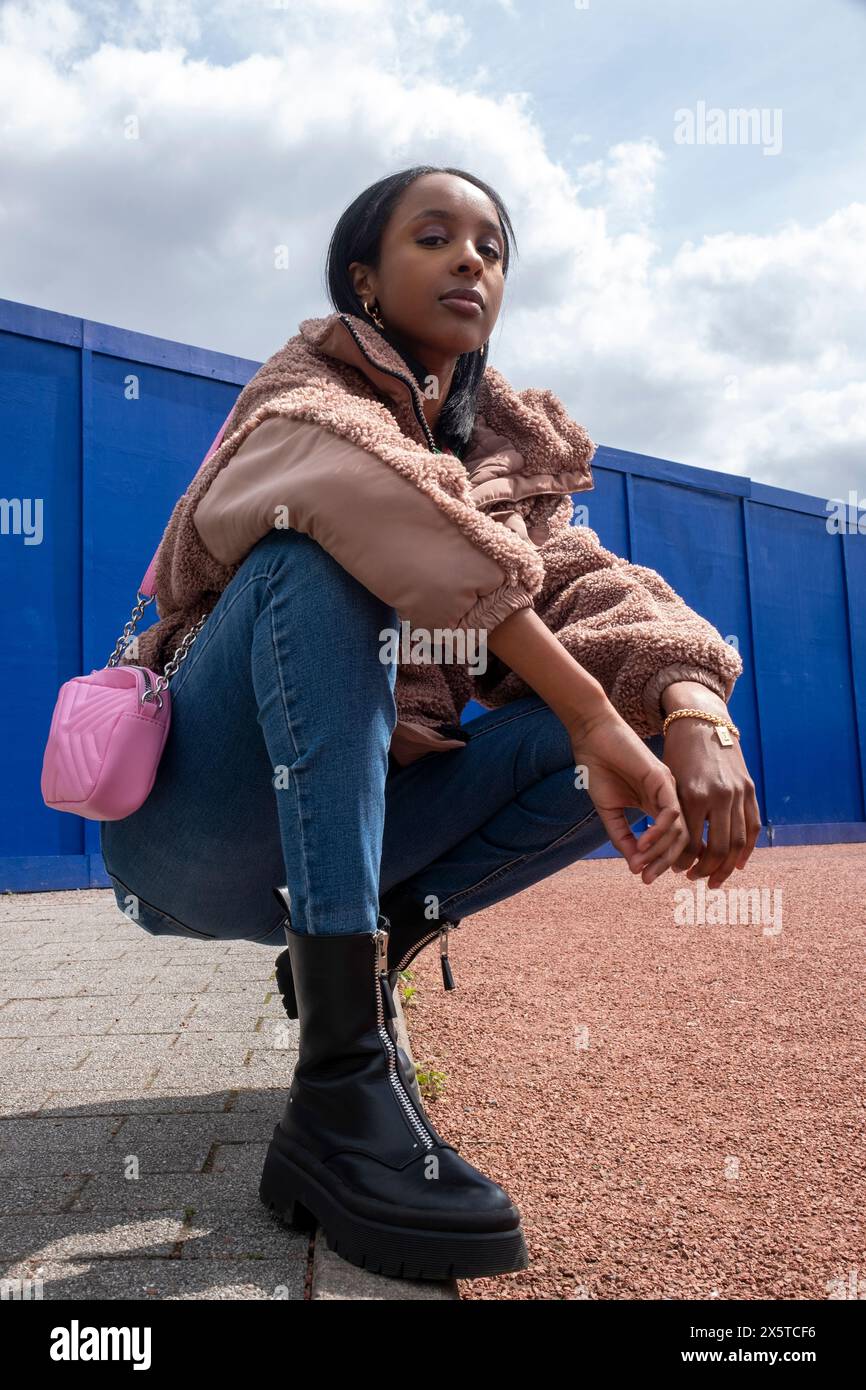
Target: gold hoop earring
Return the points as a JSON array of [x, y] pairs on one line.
[[482, 350], [373, 313]]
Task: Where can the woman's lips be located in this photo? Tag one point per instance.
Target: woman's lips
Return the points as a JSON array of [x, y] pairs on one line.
[[463, 306]]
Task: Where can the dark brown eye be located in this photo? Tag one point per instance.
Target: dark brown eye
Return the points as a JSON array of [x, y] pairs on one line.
[[436, 236]]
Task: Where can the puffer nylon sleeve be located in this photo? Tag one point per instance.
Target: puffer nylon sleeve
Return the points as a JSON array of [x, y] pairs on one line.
[[392, 537]]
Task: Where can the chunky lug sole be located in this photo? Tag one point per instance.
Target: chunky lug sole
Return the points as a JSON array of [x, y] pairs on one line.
[[304, 1200]]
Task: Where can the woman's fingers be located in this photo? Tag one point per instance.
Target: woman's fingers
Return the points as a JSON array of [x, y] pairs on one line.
[[665, 852], [662, 842], [675, 839], [716, 849], [652, 843], [736, 842], [753, 823], [619, 832]]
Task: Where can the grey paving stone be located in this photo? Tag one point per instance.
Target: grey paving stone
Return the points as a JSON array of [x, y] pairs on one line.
[[98, 1014], [265, 1071], [175, 1053], [19, 1134], [242, 1159], [248, 1234], [78, 1235], [34, 981], [25, 985], [233, 1011], [31, 1011], [60, 954], [21, 1097], [38, 1192], [243, 992], [166, 984], [67, 1162], [40, 1027], [174, 1130], [105, 1143], [156, 1015], [177, 1075], [193, 1049], [272, 1099], [277, 1035], [193, 956], [128, 1100], [235, 1191], [41, 1059], [105, 1050], [76, 1018], [173, 1279]]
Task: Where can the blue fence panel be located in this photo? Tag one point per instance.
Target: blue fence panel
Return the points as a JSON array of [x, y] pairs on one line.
[[605, 507], [147, 430], [854, 569], [40, 580], [802, 650], [106, 428], [670, 528]]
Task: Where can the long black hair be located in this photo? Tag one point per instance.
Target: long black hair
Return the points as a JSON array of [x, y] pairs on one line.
[[358, 236]]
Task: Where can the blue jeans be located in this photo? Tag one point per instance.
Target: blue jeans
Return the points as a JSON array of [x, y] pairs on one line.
[[276, 771]]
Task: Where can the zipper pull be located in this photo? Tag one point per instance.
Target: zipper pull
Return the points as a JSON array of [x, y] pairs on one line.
[[447, 977], [387, 995], [381, 939], [382, 970]]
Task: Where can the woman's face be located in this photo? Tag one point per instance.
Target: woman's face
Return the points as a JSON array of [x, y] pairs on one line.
[[459, 245]]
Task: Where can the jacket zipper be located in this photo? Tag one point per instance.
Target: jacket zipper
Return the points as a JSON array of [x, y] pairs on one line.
[[383, 988], [391, 371]]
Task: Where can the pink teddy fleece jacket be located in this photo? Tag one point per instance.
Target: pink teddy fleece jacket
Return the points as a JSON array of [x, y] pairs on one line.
[[329, 438]]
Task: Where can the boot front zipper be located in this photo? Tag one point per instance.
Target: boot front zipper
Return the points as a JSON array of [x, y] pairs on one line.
[[383, 990], [442, 932]]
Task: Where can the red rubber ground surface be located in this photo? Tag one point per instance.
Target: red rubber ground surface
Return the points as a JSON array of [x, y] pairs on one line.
[[677, 1110]]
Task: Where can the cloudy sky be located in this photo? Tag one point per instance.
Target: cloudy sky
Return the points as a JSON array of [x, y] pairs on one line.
[[690, 284]]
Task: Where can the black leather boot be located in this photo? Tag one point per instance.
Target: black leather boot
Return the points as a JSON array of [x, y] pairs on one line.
[[412, 935], [409, 933], [356, 1153]]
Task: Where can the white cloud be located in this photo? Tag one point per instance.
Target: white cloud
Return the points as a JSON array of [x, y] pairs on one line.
[[257, 125]]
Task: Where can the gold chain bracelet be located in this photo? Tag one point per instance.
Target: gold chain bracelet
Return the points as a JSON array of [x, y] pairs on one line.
[[722, 725]]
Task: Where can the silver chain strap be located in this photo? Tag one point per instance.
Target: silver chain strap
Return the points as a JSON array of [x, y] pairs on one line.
[[180, 654], [123, 640]]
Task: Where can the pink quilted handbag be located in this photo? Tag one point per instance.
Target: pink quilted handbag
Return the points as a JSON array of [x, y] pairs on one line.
[[108, 729]]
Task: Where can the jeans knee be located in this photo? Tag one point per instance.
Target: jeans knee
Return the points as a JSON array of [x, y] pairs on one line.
[[329, 612], [294, 553]]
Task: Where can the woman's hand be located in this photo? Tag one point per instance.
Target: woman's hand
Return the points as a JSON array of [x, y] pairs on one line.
[[621, 771], [713, 784]]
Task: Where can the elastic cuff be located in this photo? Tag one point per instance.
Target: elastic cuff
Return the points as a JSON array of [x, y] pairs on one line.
[[677, 671], [492, 609]]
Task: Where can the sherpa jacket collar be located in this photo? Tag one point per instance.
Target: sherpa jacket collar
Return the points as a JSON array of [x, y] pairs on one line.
[[524, 443]]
